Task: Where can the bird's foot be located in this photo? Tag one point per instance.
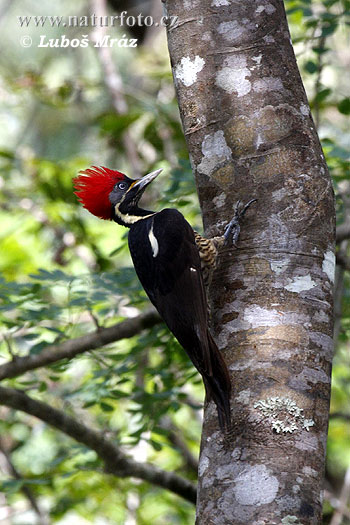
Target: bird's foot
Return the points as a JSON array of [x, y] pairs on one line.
[[233, 227]]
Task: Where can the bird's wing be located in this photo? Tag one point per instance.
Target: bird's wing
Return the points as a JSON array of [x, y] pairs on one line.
[[169, 269]]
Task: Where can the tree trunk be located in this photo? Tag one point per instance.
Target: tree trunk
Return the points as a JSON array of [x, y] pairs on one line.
[[250, 134]]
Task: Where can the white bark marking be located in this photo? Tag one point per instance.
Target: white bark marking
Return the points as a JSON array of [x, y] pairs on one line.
[[268, 84], [259, 140], [309, 377], [309, 471], [219, 201], [279, 267], [231, 30], [188, 70], [230, 79], [279, 194], [218, 3], [325, 342], [206, 36], [255, 486], [254, 316], [300, 284], [215, 150], [328, 265], [307, 442], [269, 8], [290, 520], [190, 4], [257, 316], [243, 397], [321, 316], [304, 110], [257, 59], [203, 465]]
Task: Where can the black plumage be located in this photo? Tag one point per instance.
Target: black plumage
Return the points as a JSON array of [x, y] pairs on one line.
[[167, 262]]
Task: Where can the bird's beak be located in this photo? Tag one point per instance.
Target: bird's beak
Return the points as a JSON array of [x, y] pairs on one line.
[[140, 184]]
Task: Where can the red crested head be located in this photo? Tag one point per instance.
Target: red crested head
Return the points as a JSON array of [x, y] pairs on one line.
[[93, 187]]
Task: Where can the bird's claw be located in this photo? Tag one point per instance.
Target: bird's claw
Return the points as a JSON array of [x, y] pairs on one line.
[[233, 227]]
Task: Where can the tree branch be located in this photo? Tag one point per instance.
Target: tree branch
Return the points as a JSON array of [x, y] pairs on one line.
[[343, 232], [12, 471], [116, 462], [339, 415], [4, 8], [343, 261], [73, 347], [342, 510], [114, 83], [178, 442]]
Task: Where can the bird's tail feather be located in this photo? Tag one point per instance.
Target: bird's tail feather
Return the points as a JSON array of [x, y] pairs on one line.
[[218, 385]]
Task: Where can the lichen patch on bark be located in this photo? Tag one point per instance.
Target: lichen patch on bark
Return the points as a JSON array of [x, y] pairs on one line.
[[233, 31], [188, 69], [203, 465], [230, 79], [255, 486], [279, 266], [300, 284], [233, 76], [290, 520], [257, 59], [269, 8], [215, 151], [304, 110], [309, 377], [268, 84], [328, 265], [243, 397], [219, 3], [283, 414]]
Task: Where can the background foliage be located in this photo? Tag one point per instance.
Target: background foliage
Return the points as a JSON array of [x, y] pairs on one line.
[[64, 272]]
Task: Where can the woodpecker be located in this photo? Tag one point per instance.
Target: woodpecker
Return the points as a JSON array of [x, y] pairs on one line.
[[173, 263]]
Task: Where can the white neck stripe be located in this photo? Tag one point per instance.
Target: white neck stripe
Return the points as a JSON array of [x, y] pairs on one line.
[[130, 219]]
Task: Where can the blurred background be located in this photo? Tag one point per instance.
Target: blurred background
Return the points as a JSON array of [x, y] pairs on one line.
[[63, 272]]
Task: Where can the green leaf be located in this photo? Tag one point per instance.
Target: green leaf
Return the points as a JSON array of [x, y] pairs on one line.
[[322, 95], [7, 154], [307, 12], [118, 394], [90, 404], [156, 445], [36, 349], [112, 124], [344, 106], [329, 3], [106, 407], [320, 50], [11, 486], [37, 481], [43, 386], [329, 29], [311, 67]]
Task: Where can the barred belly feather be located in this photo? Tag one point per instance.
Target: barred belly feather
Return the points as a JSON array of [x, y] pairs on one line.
[[208, 251]]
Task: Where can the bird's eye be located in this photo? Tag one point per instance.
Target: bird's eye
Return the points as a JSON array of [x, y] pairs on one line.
[[122, 185]]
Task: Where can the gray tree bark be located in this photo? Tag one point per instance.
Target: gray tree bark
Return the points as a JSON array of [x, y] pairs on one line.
[[250, 134]]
